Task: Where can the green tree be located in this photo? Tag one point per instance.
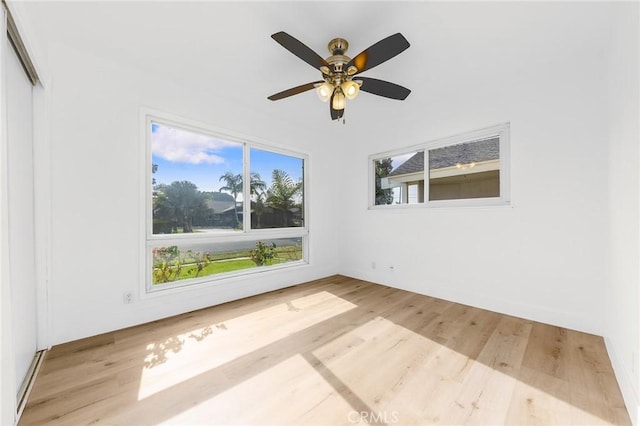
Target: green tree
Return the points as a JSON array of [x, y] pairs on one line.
[[383, 168], [233, 185], [282, 193], [259, 208], [258, 188], [256, 184], [179, 203]]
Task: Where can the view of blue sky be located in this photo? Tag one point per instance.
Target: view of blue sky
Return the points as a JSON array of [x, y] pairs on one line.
[[202, 159]]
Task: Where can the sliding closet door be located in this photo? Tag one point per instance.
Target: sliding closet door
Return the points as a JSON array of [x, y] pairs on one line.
[[21, 214]]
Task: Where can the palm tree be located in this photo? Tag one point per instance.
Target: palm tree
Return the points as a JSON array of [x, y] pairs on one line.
[[233, 185], [257, 185], [258, 209], [281, 195]]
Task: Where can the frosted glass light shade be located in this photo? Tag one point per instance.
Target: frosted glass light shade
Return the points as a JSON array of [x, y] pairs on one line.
[[338, 100], [350, 89], [324, 91]]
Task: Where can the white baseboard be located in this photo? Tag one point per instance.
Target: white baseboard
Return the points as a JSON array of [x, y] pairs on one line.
[[482, 301], [625, 381]]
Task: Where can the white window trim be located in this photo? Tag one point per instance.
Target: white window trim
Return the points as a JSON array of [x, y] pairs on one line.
[[149, 240], [502, 131]]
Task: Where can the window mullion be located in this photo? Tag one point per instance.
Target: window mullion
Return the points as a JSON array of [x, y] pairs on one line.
[[427, 176], [246, 189]]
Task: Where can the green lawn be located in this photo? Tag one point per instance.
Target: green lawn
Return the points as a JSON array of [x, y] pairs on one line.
[[216, 268], [229, 262]]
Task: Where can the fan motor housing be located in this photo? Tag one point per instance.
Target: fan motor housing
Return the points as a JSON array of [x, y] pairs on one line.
[[338, 46]]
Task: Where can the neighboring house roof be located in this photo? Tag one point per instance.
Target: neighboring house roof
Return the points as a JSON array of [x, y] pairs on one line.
[[220, 206], [464, 153], [230, 209], [449, 156]]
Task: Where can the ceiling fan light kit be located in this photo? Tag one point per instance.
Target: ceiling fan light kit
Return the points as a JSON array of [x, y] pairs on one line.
[[324, 91], [339, 71], [350, 89]]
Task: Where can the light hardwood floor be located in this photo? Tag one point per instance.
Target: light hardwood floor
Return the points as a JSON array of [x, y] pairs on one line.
[[336, 351]]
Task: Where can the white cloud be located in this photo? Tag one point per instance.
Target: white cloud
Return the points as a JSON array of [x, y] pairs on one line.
[[181, 146]]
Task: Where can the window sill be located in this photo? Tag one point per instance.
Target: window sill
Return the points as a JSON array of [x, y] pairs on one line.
[[446, 204]]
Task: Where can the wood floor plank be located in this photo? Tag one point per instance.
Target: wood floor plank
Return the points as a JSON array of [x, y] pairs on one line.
[[547, 351], [485, 394], [335, 351], [540, 399], [592, 382]]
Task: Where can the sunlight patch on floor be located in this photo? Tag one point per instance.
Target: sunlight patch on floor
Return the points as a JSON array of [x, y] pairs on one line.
[[424, 379], [187, 355], [535, 406], [302, 397], [401, 354]]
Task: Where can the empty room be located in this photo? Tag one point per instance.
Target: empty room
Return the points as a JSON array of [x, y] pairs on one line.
[[319, 213]]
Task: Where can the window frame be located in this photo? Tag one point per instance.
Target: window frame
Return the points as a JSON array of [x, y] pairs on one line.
[[150, 240], [501, 131]]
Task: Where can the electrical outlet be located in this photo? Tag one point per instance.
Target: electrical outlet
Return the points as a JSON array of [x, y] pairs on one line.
[[127, 297]]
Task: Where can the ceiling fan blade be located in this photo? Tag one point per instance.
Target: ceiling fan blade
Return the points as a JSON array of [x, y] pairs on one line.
[[380, 52], [383, 88], [299, 49], [293, 91]]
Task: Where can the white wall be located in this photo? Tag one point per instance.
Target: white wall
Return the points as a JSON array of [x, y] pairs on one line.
[[622, 302], [96, 172], [543, 258]]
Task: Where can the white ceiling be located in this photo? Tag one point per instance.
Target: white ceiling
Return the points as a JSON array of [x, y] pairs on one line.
[[225, 47]]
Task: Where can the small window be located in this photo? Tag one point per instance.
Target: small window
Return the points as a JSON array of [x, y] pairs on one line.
[[468, 169]]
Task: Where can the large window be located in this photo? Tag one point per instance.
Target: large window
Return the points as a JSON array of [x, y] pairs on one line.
[[468, 169], [219, 206]]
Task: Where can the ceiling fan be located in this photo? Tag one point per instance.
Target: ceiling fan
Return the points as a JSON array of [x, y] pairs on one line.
[[340, 73]]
